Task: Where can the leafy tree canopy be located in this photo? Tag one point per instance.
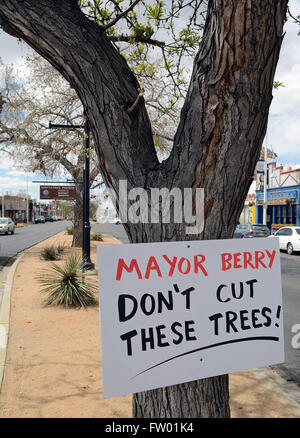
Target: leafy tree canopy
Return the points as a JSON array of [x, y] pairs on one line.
[[170, 30]]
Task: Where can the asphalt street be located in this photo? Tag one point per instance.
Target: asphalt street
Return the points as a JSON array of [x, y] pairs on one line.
[[116, 231], [10, 245], [290, 277]]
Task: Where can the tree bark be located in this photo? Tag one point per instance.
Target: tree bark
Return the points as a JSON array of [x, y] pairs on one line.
[[217, 144]]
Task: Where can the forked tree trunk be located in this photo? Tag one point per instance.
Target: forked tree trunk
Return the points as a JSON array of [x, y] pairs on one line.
[[217, 144]]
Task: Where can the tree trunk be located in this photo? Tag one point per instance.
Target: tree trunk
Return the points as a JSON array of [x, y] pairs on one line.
[[206, 398], [217, 144]]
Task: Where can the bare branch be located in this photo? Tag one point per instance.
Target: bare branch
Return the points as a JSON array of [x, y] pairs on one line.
[[139, 99], [296, 19], [120, 16], [137, 39]]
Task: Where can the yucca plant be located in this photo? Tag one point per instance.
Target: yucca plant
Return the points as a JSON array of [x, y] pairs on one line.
[[70, 230], [97, 236], [60, 249], [49, 253], [67, 286]]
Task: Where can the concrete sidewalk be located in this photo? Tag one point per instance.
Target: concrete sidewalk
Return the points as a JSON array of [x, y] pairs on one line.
[[50, 357]]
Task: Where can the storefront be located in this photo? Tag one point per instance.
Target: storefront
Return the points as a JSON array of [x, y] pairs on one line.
[[248, 215], [15, 207], [282, 206]]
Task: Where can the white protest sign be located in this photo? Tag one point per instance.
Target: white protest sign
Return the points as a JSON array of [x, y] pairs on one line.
[[181, 311]]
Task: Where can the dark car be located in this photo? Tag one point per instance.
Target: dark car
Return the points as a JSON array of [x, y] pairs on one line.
[[251, 230], [39, 219], [48, 218]]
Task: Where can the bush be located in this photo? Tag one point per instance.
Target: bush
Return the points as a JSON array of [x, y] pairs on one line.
[[60, 248], [66, 286], [70, 230], [97, 236], [52, 252], [49, 253]]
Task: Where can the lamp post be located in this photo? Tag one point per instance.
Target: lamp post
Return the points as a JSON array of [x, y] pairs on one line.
[[86, 247], [86, 229], [27, 206], [265, 206], [3, 205]]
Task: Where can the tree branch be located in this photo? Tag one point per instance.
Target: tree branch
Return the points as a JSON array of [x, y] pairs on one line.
[[120, 16], [296, 19], [83, 54], [137, 39]]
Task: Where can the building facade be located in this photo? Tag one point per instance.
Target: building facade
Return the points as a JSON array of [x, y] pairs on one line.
[[283, 194], [248, 215], [15, 207]]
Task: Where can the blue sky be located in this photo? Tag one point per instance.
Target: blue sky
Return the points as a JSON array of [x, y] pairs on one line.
[[284, 120]]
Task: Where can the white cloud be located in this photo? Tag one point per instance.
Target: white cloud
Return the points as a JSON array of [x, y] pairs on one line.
[[284, 120], [5, 161], [286, 99], [12, 51], [283, 129], [14, 184], [2, 77], [283, 134], [15, 172]]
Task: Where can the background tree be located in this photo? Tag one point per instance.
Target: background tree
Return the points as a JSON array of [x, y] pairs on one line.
[[222, 123], [65, 209], [29, 104]]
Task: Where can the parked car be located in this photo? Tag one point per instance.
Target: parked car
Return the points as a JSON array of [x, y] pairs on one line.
[[289, 239], [39, 219], [251, 230], [54, 218], [60, 218], [7, 225], [48, 218]]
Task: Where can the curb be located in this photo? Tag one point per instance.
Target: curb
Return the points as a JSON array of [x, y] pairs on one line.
[[5, 314], [5, 306]]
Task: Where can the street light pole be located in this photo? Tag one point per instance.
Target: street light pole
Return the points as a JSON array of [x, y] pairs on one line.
[[86, 201], [27, 206], [3, 206], [265, 206], [87, 263]]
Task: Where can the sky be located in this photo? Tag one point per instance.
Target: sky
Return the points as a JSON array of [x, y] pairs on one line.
[[283, 133]]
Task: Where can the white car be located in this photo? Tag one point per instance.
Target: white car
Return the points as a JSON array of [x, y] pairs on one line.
[[289, 239], [117, 221], [7, 225]]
